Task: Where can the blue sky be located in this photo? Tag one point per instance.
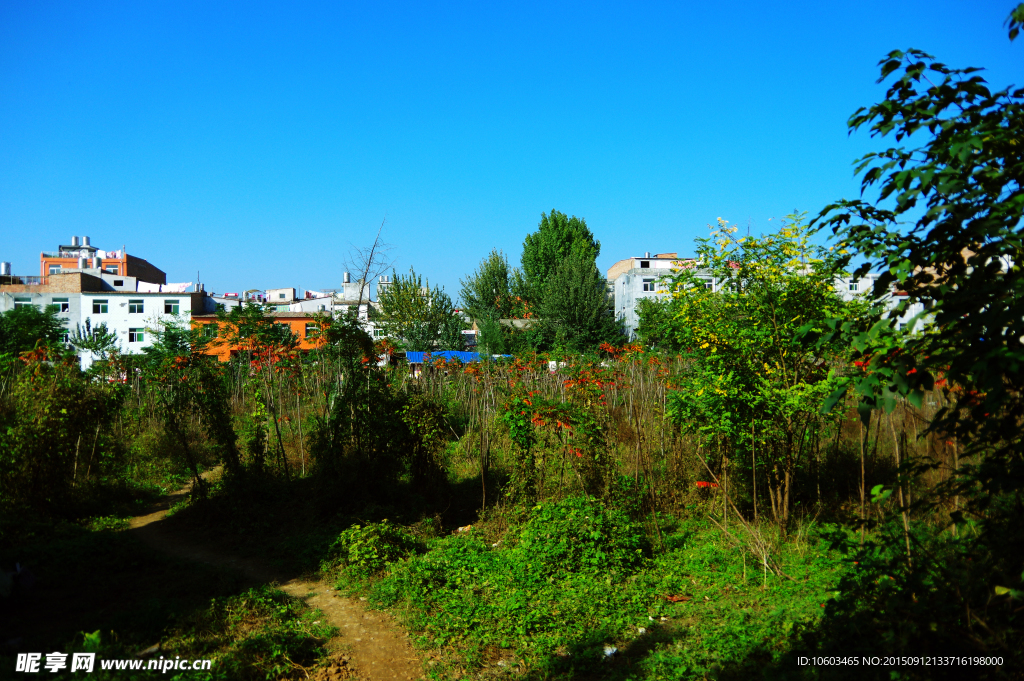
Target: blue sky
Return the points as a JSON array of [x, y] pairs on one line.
[[255, 142]]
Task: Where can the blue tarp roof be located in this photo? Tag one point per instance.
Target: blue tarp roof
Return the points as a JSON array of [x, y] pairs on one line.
[[464, 357]]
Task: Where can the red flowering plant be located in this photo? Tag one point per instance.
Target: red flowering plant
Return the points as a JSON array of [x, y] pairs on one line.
[[584, 411], [269, 348], [517, 416], [188, 381]]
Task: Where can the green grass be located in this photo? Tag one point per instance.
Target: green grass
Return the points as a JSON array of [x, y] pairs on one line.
[[555, 596], [262, 633]]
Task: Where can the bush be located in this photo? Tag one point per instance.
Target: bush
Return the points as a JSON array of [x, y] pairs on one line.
[[368, 549], [578, 534]]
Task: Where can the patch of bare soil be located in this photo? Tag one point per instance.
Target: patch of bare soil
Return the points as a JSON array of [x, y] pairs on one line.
[[374, 647]]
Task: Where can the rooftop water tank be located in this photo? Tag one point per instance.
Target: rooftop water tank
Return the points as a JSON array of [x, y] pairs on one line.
[[85, 241], [5, 269], [74, 241]]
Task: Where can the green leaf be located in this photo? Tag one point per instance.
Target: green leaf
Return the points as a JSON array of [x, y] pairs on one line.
[[879, 494], [864, 409], [1013, 593], [916, 398]]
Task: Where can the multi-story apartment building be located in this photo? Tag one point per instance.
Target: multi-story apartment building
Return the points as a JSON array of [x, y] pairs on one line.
[[88, 286], [633, 279], [81, 298]]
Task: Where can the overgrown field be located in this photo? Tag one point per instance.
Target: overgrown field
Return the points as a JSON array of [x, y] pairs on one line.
[[548, 517]]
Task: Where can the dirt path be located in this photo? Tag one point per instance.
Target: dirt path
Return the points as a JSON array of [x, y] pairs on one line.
[[369, 645]]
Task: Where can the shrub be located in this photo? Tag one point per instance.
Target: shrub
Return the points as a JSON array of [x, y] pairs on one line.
[[371, 548], [578, 534]]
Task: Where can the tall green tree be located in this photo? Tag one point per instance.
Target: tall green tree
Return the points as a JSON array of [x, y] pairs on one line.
[[488, 292], [417, 317], [576, 316], [946, 228], [58, 437], [653, 329], [494, 292], [557, 237], [100, 341], [962, 258]]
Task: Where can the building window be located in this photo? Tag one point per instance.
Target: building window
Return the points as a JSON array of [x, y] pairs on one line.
[[55, 269], [209, 330], [136, 306], [311, 330], [119, 282], [22, 302], [99, 307], [708, 284], [853, 285], [649, 285], [62, 304], [65, 338], [378, 333], [280, 296], [645, 264], [136, 336], [111, 269], [170, 307]]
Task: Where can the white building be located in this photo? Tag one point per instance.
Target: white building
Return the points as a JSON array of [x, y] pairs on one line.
[[634, 279], [134, 317], [281, 297], [131, 315]]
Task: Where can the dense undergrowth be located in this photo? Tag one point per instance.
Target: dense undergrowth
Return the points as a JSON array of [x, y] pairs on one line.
[[577, 590]]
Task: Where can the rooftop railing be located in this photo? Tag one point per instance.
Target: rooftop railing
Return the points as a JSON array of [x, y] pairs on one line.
[[72, 254], [22, 280]]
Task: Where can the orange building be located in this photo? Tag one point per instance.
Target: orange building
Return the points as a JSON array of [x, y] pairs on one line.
[[302, 325], [81, 254]]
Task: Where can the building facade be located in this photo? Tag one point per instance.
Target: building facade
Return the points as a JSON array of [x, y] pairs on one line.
[[84, 301], [303, 325], [633, 279]]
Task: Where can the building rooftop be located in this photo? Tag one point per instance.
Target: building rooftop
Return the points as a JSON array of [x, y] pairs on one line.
[[281, 315]]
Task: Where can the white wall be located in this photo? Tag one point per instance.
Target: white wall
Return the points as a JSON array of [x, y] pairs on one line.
[[120, 319]]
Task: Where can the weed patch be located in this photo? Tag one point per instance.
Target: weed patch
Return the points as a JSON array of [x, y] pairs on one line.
[[575, 593], [260, 634]]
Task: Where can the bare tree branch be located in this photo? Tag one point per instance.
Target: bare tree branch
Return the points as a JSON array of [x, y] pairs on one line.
[[371, 261]]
